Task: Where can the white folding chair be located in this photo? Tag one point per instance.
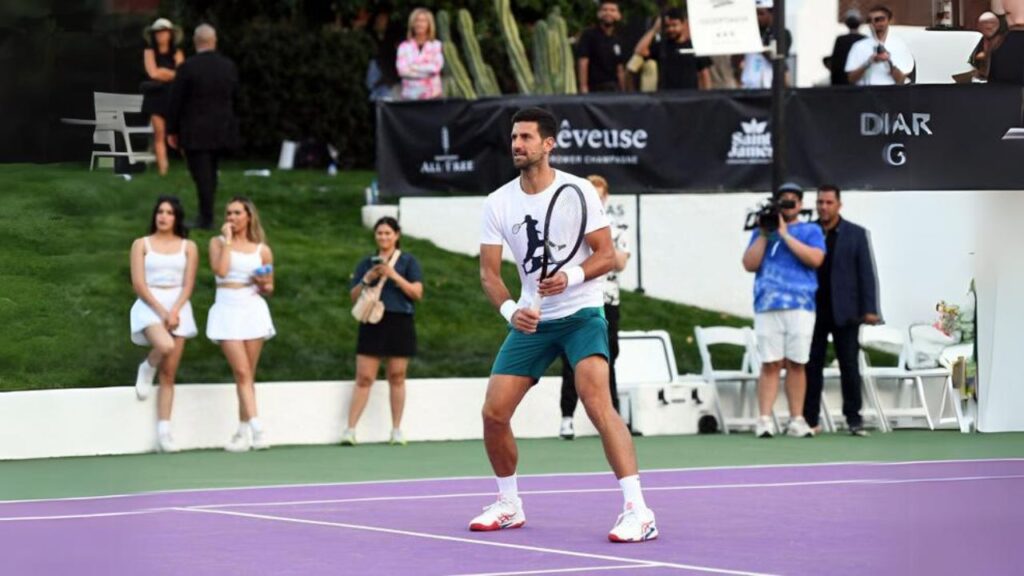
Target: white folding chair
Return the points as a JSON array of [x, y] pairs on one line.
[[111, 110], [747, 374], [906, 374], [948, 358]]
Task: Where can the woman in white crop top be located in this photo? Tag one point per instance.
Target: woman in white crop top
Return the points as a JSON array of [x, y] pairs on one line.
[[240, 318], [163, 268]]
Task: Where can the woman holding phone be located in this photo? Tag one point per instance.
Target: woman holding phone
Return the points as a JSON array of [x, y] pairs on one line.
[[394, 337], [240, 319]]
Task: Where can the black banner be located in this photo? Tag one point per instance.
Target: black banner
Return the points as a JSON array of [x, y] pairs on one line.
[[887, 138]]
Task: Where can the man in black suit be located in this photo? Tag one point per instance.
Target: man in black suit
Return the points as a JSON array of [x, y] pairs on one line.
[[201, 119], [841, 49], [847, 297]]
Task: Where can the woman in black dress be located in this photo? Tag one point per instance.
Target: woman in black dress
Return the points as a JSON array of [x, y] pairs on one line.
[[161, 58], [394, 337]]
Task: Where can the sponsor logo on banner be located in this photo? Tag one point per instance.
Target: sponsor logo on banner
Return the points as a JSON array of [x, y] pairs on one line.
[[898, 124], [596, 146], [446, 162], [752, 144]]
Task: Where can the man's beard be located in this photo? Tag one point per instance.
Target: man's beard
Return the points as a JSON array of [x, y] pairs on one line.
[[525, 162]]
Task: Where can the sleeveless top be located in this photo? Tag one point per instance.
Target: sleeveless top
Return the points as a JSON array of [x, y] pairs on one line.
[[165, 59], [242, 266], [164, 270]]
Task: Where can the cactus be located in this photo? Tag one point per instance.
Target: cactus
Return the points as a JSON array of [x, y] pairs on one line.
[[484, 80], [455, 79], [545, 81], [514, 46], [564, 68]]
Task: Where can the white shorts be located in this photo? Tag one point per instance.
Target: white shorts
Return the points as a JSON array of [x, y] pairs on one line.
[[239, 314], [784, 334], [142, 316]]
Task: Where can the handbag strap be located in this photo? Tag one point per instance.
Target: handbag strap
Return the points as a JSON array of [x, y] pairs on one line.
[[391, 263]]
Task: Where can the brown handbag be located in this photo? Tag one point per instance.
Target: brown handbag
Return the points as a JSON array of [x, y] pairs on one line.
[[368, 308]]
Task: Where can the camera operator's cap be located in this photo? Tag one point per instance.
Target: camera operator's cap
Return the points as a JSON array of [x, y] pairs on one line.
[[768, 4], [790, 187]]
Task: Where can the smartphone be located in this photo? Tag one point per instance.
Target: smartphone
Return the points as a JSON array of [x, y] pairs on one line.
[[376, 260]]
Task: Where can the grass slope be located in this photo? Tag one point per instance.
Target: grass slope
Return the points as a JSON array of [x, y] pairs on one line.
[[65, 287]]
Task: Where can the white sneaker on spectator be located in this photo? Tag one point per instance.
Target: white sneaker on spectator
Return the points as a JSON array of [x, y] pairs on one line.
[[239, 442], [144, 380], [397, 438], [634, 525], [765, 427], [798, 428], [567, 432], [348, 437], [260, 440], [165, 444], [503, 513]]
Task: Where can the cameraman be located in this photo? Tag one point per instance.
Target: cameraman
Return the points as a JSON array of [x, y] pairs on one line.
[[883, 59], [784, 254]]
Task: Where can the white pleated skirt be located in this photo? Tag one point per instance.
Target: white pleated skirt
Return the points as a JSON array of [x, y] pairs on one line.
[[142, 316], [239, 314]]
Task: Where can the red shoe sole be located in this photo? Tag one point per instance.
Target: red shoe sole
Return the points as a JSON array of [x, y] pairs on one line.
[[617, 540], [493, 527]]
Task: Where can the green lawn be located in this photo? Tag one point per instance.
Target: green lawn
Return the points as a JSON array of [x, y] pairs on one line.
[[65, 289]]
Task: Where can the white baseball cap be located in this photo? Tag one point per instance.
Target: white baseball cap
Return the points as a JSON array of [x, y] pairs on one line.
[[769, 4]]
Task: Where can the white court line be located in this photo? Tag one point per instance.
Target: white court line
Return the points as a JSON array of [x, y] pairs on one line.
[[215, 507], [563, 570], [544, 475], [426, 535]]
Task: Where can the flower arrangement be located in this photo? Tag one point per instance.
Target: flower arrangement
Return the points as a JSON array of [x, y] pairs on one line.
[[957, 321]]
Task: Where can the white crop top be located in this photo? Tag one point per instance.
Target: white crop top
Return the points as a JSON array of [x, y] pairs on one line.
[[165, 270], [242, 266]]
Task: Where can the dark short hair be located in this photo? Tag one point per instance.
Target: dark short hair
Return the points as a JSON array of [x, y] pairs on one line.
[[179, 216], [392, 223], [675, 14], [546, 123], [830, 188], [603, 2], [881, 8]]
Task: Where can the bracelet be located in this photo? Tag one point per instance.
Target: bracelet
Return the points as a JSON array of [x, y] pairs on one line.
[[574, 275], [508, 309]]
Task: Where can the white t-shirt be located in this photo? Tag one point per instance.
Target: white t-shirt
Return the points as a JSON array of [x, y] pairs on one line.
[[513, 217], [879, 73]]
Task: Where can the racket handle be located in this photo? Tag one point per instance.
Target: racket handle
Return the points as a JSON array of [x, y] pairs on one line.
[[535, 302]]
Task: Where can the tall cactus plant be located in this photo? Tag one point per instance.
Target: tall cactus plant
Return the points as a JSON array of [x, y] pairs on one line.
[[564, 67], [455, 79], [545, 81], [484, 80], [514, 45]]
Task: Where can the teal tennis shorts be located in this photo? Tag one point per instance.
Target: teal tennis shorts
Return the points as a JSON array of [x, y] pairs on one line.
[[578, 336]]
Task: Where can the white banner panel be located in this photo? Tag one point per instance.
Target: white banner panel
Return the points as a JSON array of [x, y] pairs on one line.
[[724, 27]]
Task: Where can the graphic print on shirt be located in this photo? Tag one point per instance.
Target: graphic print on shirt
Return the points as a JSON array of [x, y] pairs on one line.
[[534, 244]]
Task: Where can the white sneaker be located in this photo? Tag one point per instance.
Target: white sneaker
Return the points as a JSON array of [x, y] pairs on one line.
[[397, 438], [144, 380], [566, 432], [798, 428], [260, 441], [765, 428], [503, 513], [348, 437], [634, 525], [239, 442], [165, 444]]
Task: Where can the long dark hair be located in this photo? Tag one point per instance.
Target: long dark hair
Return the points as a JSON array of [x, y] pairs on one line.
[[390, 223], [179, 216]]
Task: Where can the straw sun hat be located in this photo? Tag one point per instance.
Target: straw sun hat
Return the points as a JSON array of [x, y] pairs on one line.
[[162, 24]]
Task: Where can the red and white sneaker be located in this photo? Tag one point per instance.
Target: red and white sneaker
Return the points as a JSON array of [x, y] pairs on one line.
[[503, 513], [634, 526]]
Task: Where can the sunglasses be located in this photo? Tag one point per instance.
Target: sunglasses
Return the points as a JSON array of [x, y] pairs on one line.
[[877, 19]]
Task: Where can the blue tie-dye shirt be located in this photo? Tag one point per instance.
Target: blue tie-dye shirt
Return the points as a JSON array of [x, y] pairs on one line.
[[783, 282]]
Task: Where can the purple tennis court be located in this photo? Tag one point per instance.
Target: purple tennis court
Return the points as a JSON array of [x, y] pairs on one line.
[[947, 517]]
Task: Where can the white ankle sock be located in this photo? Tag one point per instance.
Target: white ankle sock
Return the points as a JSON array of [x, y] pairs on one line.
[[631, 492], [255, 425], [243, 428], [508, 487], [567, 419], [163, 427]]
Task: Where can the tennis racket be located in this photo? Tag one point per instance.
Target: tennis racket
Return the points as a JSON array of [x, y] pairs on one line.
[[565, 226]]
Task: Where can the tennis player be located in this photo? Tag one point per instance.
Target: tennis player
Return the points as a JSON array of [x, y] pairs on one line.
[[567, 319]]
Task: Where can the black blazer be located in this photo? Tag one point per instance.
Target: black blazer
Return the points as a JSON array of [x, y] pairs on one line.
[[854, 282], [202, 103]]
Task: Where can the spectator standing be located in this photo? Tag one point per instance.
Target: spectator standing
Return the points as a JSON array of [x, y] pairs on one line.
[[201, 117], [420, 58], [611, 313], [163, 267], [1007, 64], [239, 319], [599, 52], [992, 36], [394, 337], [381, 75], [161, 58], [678, 67], [784, 302], [847, 297], [842, 46], [756, 67], [883, 59]]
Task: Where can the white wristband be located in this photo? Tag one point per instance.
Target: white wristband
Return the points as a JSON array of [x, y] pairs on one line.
[[508, 309], [575, 275]]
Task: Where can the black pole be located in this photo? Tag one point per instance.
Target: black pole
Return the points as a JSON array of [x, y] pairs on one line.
[[779, 170], [639, 267]]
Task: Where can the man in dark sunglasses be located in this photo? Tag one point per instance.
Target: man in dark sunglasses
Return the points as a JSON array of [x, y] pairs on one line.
[[883, 59]]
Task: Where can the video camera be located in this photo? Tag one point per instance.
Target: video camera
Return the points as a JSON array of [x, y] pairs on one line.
[[766, 215]]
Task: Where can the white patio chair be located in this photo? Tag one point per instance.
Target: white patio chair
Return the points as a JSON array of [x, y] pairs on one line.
[[744, 377], [109, 122]]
